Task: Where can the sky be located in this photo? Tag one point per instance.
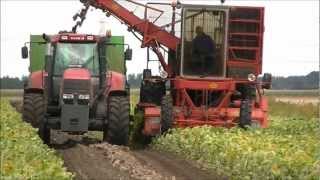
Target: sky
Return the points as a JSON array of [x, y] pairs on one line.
[[291, 38]]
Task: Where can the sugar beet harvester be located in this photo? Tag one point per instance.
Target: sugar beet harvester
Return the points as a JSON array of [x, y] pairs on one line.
[[71, 88], [212, 78]]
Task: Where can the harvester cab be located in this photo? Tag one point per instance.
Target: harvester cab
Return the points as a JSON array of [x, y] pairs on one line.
[[203, 46], [74, 80]]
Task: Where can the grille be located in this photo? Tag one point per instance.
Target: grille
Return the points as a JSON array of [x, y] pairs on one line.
[[76, 86]]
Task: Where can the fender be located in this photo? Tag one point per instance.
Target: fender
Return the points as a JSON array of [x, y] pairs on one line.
[[116, 83], [36, 82]]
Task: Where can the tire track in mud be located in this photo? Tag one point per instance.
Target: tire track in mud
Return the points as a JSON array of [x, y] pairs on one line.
[[89, 159], [174, 167], [83, 160]]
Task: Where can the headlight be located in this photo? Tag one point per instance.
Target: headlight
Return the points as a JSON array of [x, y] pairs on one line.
[[252, 77], [84, 96], [67, 96]]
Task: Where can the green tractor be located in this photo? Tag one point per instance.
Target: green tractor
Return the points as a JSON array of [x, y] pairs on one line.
[[78, 83]]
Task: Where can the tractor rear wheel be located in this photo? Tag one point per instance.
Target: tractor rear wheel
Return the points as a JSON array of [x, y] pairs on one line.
[[166, 113], [44, 131], [245, 114], [117, 129], [33, 108]]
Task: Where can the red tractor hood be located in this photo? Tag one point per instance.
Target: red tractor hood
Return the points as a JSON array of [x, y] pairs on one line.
[[77, 73], [76, 81]]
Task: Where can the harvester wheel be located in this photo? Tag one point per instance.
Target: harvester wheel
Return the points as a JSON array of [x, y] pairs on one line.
[[117, 129], [33, 108], [166, 113], [245, 114], [44, 131]]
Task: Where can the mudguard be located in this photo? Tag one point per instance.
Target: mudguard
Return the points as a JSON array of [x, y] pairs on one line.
[[116, 83], [36, 81]]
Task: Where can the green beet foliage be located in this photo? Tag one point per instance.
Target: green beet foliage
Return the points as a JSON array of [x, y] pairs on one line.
[[288, 149], [23, 155]]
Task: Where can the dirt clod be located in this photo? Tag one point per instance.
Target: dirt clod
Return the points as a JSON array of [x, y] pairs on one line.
[[122, 159]]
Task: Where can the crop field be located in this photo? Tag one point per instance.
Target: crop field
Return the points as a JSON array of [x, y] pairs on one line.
[[23, 155], [288, 149]]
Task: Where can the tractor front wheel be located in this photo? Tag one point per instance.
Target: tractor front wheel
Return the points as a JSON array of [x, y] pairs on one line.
[[117, 128], [166, 113]]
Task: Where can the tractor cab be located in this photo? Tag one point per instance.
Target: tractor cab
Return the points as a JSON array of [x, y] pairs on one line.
[[204, 31], [75, 68], [76, 55]]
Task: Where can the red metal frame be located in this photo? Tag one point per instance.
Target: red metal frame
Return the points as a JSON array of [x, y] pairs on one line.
[[256, 63], [187, 114]]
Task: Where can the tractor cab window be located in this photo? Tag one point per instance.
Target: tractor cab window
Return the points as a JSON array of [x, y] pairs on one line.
[[203, 43], [70, 55]]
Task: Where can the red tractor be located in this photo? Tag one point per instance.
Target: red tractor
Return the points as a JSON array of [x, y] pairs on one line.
[[71, 89], [210, 76]]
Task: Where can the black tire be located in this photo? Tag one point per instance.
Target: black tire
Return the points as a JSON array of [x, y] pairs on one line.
[[247, 91], [117, 129], [33, 108], [166, 113], [245, 114], [44, 131]]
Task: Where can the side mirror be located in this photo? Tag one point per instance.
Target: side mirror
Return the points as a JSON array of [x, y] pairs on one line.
[[266, 80], [45, 37], [128, 54], [24, 52]]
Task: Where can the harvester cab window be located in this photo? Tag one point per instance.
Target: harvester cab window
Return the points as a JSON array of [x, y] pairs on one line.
[[71, 55], [203, 43]]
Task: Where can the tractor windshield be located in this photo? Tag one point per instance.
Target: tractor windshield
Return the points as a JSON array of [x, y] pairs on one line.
[[203, 42], [70, 55]]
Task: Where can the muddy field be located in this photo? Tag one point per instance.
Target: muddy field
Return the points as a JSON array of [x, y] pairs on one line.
[[89, 158]]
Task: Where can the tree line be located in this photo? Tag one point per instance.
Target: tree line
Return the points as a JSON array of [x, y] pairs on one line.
[[7, 82], [310, 81]]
